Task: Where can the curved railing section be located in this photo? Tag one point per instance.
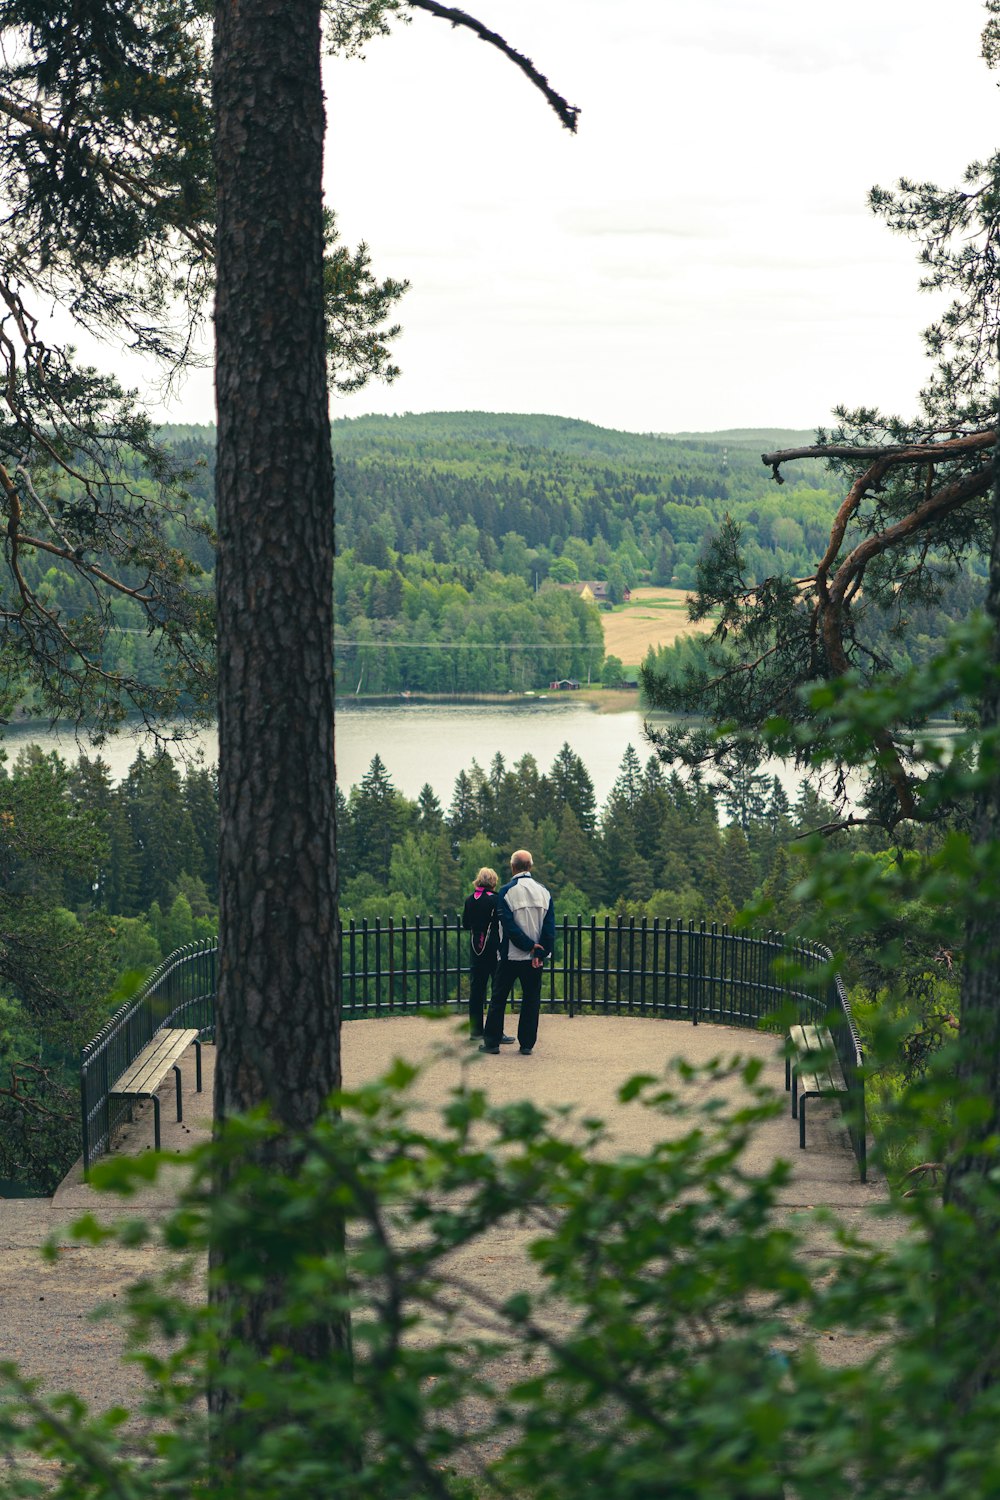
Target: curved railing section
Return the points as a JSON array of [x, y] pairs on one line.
[[181, 992], [613, 965]]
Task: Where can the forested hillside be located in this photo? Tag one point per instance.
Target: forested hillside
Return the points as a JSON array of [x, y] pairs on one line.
[[455, 528], [514, 494]]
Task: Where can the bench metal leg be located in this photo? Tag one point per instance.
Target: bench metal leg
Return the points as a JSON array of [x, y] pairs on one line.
[[802, 1122], [180, 1101], [197, 1066], [156, 1121], [795, 1094]]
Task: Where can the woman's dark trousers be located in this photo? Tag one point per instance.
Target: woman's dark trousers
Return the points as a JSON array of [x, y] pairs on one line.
[[482, 971]]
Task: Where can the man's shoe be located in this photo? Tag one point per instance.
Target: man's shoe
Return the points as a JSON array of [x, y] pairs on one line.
[[507, 1041], [525, 1051], [485, 1047]]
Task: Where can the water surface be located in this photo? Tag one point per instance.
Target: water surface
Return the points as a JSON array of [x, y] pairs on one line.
[[428, 743]]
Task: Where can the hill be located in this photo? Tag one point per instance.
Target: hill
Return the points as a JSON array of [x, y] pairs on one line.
[[758, 439], [455, 531]]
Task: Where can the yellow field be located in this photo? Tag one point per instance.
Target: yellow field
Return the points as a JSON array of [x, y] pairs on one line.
[[654, 617]]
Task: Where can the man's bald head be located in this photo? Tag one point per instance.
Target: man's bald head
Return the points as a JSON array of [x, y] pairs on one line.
[[520, 861]]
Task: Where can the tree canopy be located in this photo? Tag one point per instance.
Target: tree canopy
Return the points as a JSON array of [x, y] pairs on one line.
[[107, 193], [915, 515], [796, 667]]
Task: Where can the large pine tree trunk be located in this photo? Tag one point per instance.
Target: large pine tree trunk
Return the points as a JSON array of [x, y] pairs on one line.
[[278, 1016], [278, 988]]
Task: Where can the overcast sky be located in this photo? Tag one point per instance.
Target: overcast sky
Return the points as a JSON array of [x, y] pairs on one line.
[[700, 255]]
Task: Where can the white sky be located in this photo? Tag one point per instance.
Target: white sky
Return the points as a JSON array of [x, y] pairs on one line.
[[700, 255]]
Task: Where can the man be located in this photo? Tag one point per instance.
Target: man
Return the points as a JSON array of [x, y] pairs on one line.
[[527, 937]]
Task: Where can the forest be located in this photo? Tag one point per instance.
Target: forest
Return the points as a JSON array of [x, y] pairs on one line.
[[455, 529], [458, 533]]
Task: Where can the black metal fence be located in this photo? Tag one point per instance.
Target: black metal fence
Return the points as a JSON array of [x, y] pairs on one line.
[[620, 966], [180, 993]]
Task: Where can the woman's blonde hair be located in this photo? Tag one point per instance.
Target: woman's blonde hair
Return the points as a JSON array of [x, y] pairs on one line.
[[488, 878]]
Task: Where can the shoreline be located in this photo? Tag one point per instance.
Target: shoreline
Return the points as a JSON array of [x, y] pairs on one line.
[[604, 700], [601, 700], [608, 700]]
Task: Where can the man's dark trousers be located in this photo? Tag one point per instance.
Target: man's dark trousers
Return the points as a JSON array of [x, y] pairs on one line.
[[508, 972]]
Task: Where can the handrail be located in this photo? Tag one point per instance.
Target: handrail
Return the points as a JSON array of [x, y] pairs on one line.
[[622, 965], [181, 992]]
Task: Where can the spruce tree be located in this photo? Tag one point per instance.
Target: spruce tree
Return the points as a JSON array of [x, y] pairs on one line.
[[575, 856], [429, 808], [201, 803], [462, 815], [572, 786], [378, 817]]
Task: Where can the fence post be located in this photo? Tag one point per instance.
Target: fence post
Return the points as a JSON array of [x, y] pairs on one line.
[[574, 935], [417, 962], [392, 964], [84, 1122]]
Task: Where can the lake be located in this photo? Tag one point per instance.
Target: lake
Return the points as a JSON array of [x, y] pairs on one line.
[[432, 742]]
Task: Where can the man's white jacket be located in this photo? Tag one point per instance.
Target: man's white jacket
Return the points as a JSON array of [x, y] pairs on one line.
[[527, 918]]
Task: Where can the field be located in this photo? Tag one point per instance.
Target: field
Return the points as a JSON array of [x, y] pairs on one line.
[[654, 617]]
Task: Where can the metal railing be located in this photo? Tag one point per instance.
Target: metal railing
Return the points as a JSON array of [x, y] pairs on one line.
[[181, 992], [616, 966], [848, 1045]]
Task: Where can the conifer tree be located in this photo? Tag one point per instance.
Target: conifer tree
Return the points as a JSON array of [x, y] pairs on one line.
[[201, 803], [91, 791], [575, 856], [628, 785], [779, 809], [744, 795], [532, 792], [379, 817], [572, 785], [462, 816], [162, 832], [737, 865], [428, 809]]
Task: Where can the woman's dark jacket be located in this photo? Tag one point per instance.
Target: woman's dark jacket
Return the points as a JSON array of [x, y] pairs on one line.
[[480, 920]]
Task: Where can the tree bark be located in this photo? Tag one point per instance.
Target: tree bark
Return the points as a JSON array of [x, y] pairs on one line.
[[278, 1004], [278, 1018]]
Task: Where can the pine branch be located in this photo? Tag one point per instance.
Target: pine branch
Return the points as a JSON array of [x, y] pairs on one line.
[[906, 453], [834, 595], [139, 189], [568, 113], [838, 826]]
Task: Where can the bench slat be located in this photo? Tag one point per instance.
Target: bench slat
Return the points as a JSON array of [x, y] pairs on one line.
[[154, 1062], [819, 1084], [810, 1073]]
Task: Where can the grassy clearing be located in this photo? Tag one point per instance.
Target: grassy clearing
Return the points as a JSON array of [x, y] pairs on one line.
[[653, 617]]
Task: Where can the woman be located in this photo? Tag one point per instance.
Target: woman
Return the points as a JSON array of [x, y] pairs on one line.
[[481, 922]]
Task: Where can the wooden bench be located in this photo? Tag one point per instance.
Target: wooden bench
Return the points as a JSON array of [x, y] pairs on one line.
[[142, 1078], [811, 1071]]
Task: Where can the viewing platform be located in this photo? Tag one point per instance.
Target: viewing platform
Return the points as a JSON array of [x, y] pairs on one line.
[[606, 972]]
